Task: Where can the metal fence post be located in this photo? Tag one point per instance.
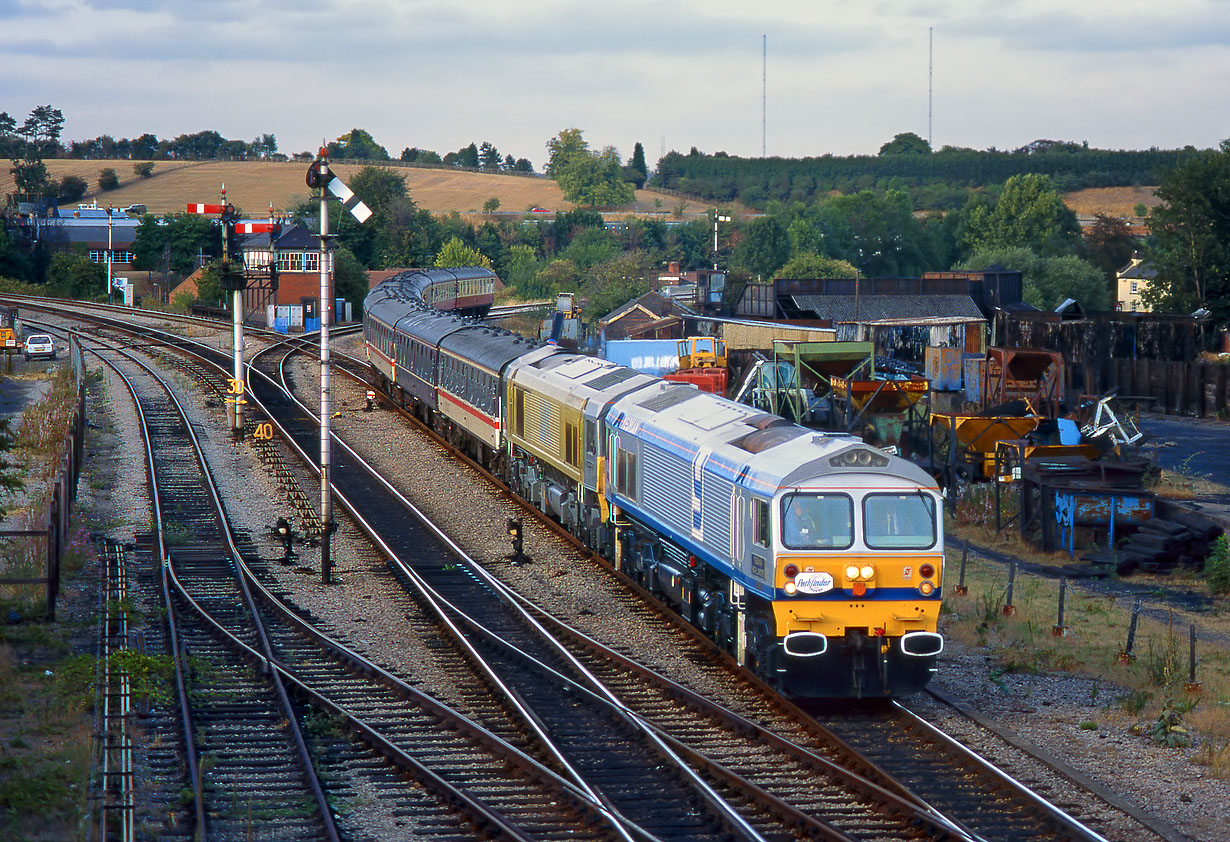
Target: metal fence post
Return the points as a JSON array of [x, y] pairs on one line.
[[1126, 656], [1009, 609], [1060, 630], [961, 590], [1192, 685]]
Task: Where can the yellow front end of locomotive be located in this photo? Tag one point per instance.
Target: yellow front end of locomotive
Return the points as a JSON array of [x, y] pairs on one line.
[[882, 595]]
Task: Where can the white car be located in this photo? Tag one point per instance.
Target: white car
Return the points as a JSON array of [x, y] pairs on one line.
[[39, 345]]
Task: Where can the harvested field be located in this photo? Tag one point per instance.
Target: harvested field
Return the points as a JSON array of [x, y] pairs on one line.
[[252, 185], [1112, 201]]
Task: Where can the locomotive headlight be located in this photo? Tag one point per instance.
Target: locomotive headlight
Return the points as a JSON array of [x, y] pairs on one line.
[[852, 572], [867, 571], [926, 588], [790, 588]]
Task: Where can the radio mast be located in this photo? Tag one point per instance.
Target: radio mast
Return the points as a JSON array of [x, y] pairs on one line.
[[764, 92]]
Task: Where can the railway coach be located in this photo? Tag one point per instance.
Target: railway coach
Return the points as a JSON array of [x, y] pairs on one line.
[[814, 559]]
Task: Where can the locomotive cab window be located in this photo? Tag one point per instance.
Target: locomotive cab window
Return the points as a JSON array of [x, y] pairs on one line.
[[625, 473], [760, 522], [817, 521], [899, 521]]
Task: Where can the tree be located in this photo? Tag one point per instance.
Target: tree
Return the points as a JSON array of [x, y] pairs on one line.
[[456, 253], [174, 245], [491, 205], [72, 188], [144, 169], [30, 176], [357, 143], [76, 276], [42, 130], [906, 143], [590, 180], [488, 157], [1029, 212], [107, 179], [378, 187], [636, 171], [811, 266], [567, 146], [1047, 281], [9, 142], [349, 278], [414, 155], [1110, 243], [615, 281], [1190, 237], [764, 248]]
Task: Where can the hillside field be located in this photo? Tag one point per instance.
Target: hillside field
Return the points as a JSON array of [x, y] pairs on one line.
[[253, 185]]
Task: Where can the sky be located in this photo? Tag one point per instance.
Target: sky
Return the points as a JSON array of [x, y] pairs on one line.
[[841, 77]]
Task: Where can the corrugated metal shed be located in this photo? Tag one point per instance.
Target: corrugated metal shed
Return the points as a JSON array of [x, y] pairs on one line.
[[898, 308]]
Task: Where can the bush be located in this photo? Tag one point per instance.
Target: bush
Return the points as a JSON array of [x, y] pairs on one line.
[[143, 168], [107, 179], [1217, 567], [72, 188]]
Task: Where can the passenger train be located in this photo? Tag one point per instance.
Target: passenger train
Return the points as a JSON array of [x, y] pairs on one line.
[[814, 559]]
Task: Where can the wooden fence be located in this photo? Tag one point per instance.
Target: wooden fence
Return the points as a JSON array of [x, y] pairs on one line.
[[1173, 388], [55, 534]]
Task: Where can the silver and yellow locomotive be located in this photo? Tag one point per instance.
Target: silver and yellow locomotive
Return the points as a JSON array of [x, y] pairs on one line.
[[814, 559]]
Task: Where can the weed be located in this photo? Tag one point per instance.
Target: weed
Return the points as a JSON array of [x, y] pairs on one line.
[[1165, 667], [1215, 754], [1088, 725], [148, 675], [1168, 730], [320, 724], [1136, 701]]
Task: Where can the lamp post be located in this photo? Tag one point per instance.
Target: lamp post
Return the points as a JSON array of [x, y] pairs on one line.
[[108, 254], [716, 219]]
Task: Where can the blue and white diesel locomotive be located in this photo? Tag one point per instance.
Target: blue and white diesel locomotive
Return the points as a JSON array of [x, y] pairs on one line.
[[813, 558]]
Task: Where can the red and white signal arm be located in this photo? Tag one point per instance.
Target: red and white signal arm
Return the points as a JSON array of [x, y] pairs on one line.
[[199, 208]]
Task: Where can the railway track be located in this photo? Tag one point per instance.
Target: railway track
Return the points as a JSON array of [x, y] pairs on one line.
[[558, 667], [510, 638], [943, 774], [242, 736]]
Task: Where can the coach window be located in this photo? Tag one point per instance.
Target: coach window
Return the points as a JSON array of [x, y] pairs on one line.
[[760, 522]]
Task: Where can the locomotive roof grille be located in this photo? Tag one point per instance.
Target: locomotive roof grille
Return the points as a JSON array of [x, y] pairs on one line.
[[609, 379], [669, 398]]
